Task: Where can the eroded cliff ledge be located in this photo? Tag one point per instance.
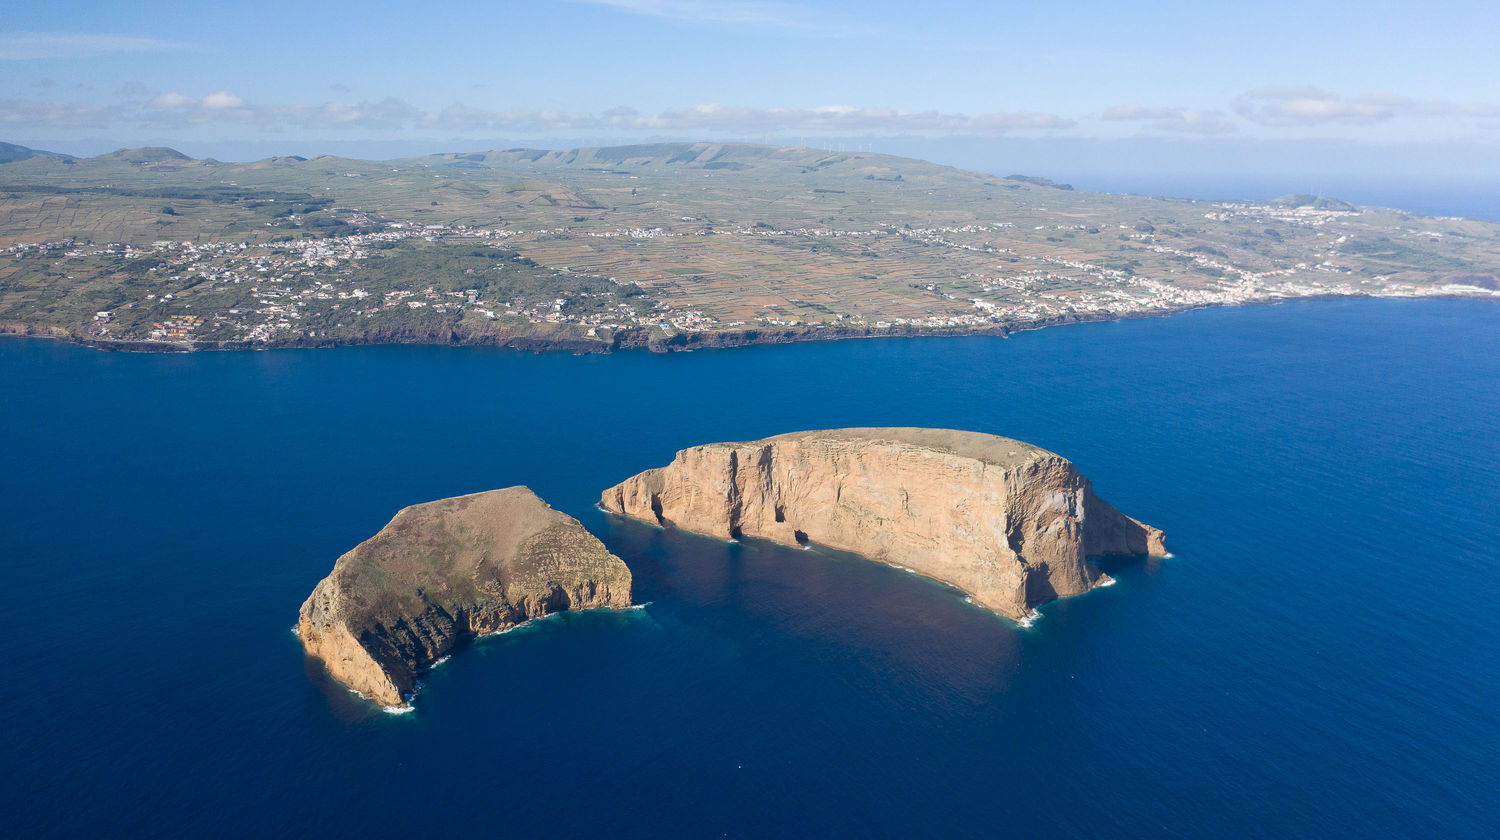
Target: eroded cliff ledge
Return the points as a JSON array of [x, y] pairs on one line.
[[1004, 521], [449, 569]]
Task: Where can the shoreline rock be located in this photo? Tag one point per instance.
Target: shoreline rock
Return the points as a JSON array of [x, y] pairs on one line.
[[449, 570], [649, 339], [1011, 525]]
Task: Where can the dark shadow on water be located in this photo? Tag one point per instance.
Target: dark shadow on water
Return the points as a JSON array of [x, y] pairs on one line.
[[773, 604], [1115, 564], [345, 705], [815, 601], [467, 654]]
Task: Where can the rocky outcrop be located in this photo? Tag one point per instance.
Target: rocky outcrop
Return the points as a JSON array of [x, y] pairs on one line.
[[447, 570], [1004, 521]]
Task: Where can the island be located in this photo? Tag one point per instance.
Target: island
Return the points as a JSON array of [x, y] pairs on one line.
[[659, 246], [449, 570], [1011, 525]]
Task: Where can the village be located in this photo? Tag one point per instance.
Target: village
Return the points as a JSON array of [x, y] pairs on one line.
[[276, 292]]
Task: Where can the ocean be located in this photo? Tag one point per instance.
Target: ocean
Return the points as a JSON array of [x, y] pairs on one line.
[[1318, 656]]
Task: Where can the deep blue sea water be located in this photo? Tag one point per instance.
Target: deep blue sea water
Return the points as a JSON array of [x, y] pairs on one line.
[[1318, 658]]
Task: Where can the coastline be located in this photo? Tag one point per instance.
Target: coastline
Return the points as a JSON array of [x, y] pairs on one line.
[[650, 340]]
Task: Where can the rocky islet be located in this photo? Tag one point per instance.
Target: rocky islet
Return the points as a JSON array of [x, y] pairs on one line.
[[1008, 523], [1011, 525]]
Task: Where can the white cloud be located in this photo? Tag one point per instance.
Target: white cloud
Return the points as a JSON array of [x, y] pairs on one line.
[[222, 100], [833, 118], [27, 114], [1186, 120], [225, 108], [388, 113], [173, 100], [1308, 106], [174, 109], [463, 118], [18, 46]]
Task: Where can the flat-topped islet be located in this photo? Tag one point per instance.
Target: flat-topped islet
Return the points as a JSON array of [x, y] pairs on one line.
[[1008, 523], [446, 570]]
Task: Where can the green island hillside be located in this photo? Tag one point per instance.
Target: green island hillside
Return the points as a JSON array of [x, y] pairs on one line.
[[663, 246]]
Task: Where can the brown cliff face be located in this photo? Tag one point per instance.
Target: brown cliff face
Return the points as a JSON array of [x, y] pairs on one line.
[[1004, 521], [449, 569]]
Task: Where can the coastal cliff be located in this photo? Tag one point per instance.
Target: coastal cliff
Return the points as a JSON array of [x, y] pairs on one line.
[[1008, 523], [447, 570]]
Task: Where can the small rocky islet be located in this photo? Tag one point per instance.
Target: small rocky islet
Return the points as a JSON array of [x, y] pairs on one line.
[[445, 571], [1011, 525]]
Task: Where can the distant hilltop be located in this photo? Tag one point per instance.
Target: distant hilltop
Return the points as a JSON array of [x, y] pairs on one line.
[[10, 153], [727, 157], [1313, 202], [1040, 182], [146, 154], [13, 153], [720, 157]]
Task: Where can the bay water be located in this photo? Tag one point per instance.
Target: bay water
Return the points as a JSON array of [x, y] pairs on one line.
[[1318, 657]]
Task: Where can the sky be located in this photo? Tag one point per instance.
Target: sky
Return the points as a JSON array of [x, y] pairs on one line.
[[1379, 88]]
